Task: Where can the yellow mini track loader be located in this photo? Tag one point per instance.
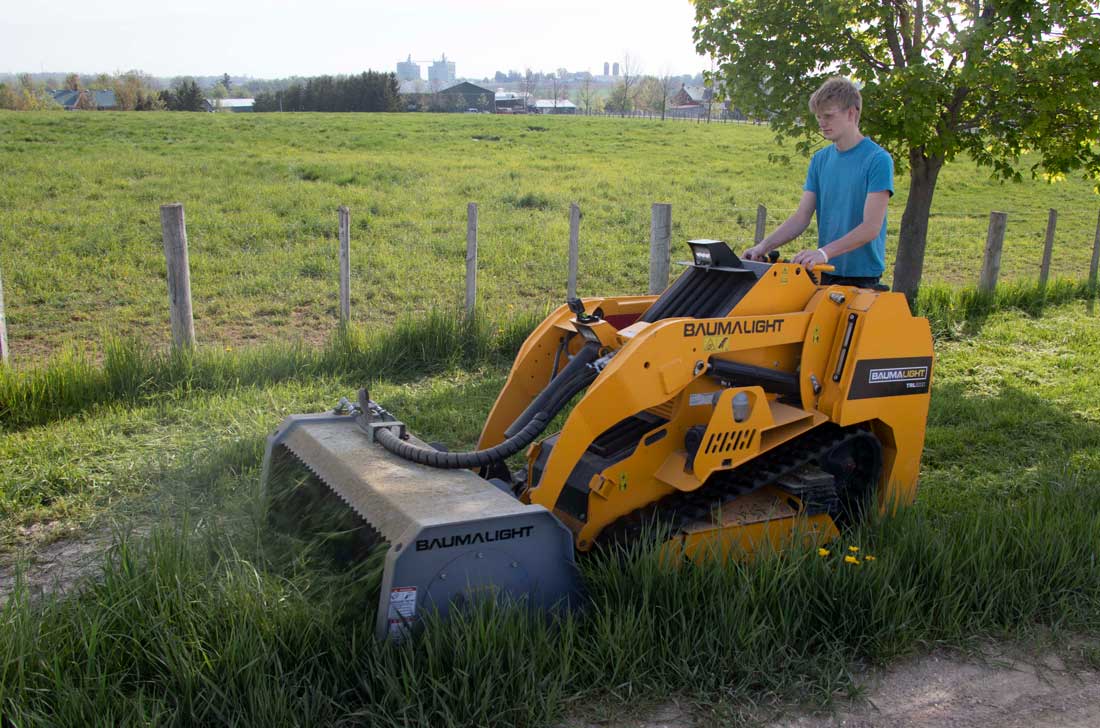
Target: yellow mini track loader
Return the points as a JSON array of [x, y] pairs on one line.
[[744, 404]]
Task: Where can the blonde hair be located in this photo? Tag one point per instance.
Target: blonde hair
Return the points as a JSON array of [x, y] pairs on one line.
[[836, 90]]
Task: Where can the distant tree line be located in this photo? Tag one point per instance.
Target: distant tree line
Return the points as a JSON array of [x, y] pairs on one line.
[[134, 91], [367, 91], [26, 95]]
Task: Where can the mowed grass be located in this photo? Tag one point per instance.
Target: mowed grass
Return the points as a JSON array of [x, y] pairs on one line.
[[80, 239], [216, 619]]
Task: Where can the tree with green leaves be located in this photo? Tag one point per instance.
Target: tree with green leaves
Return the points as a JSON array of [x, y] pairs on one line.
[[367, 91], [184, 96], [992, 81]]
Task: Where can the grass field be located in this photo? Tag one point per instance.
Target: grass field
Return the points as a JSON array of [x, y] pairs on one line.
[[216, 619], [80, 240]]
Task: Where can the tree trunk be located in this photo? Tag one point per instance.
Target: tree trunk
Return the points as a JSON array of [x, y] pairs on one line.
[[923, 172]]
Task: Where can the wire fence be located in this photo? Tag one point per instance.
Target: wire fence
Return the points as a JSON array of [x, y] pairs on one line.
[[700, 115], [971, 252]]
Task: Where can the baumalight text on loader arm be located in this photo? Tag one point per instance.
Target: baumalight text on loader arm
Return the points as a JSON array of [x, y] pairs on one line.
[[743, 405]]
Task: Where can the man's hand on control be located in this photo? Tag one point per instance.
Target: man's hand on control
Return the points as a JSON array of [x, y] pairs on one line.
[[810, 258], [756, 252]]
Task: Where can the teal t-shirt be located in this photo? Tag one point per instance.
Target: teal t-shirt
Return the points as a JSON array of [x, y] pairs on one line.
[[841, 181]]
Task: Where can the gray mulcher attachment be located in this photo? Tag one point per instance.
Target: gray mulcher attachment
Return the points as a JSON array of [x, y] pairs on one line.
[[453, 536]]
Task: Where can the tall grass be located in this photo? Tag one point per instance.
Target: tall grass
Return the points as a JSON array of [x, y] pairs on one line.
[[203, 626], [961, 311], [132, 372]]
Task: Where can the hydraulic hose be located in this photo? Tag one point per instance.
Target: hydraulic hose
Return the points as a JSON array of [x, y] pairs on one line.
[[588, 354], [454, 460], [556, 395]]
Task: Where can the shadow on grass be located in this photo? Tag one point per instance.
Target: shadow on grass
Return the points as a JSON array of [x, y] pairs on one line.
[[990, 450]]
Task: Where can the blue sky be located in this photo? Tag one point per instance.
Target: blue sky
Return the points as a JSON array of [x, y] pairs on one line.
[[270, 38]]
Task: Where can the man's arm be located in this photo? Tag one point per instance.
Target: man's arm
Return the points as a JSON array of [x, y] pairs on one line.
[[874, 213], [791, 228]]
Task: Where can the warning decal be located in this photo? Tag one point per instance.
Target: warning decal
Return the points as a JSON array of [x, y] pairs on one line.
[[703, 398], [716, 343], [402, 611]]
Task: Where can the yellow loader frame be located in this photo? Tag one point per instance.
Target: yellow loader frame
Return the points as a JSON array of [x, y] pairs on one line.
[[859, 356]]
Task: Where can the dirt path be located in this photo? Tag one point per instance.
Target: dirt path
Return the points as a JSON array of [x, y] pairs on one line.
[[938, 690], [1001, 690], [53, 567]]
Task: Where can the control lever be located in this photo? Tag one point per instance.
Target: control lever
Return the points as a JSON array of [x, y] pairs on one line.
[[577, 307]]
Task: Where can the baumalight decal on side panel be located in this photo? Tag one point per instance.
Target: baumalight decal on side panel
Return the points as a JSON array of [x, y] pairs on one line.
[[891, 377]]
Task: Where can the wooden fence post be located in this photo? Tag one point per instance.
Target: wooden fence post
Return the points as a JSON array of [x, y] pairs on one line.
[[174, 229], [4, 327], [660, 237], [761, 223], [345, 265], [1048, 248], [574, 248], [1092, 266], [471, 257], [994, 243]]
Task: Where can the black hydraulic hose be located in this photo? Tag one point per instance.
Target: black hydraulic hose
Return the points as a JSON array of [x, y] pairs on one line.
[[588, 354], [569, 390], [454, 460], [563, 391]]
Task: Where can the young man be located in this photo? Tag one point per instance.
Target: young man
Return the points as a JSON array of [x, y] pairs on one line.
[[849, 185]]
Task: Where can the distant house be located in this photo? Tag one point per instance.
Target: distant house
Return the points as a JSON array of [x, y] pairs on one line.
[[550, 106], [434, 96], [99, 100], [465, 96], [691, 102], [509, 102], [232, 105], [691, 96]]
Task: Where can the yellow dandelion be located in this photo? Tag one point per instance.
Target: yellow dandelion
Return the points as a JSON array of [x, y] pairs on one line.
[[229, 348], [853, 549], [868, 558], [851, 560], [823, 552]]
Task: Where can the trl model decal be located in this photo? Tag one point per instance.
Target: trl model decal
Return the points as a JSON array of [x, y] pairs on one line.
[[891, 377]]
